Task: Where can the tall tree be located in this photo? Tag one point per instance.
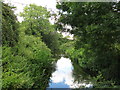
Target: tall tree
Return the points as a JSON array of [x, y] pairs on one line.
[[36, 22], [26, 60], [96, 29], [9, 26]]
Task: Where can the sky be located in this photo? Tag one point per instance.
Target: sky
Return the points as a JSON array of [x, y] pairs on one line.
[[20, 4], [49, 4]]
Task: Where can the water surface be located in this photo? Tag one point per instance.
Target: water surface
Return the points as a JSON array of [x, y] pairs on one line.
[[63, 76]]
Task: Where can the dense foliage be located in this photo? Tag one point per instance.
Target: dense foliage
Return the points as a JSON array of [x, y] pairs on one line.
[[36, 22], [29, 48], [9, 26], [96, 27], [27, 58]]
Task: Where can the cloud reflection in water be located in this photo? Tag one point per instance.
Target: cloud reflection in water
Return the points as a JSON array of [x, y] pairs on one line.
[[63, 75]]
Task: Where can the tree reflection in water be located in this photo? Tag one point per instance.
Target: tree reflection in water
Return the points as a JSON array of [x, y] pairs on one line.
[[66, 76]]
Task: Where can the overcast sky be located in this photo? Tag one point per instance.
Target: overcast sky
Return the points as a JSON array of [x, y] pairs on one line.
[[20, 4]]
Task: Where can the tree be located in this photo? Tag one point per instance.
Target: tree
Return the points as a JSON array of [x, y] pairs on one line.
[[36, 22], [96, 29], [26, 59], [9, 26]]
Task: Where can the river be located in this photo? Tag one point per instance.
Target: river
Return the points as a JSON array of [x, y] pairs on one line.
[[64, 76]]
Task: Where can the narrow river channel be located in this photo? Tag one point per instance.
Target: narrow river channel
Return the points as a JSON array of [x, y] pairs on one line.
[[63, 76]]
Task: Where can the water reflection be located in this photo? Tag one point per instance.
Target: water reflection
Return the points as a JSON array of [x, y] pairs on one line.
[[63, 76]]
